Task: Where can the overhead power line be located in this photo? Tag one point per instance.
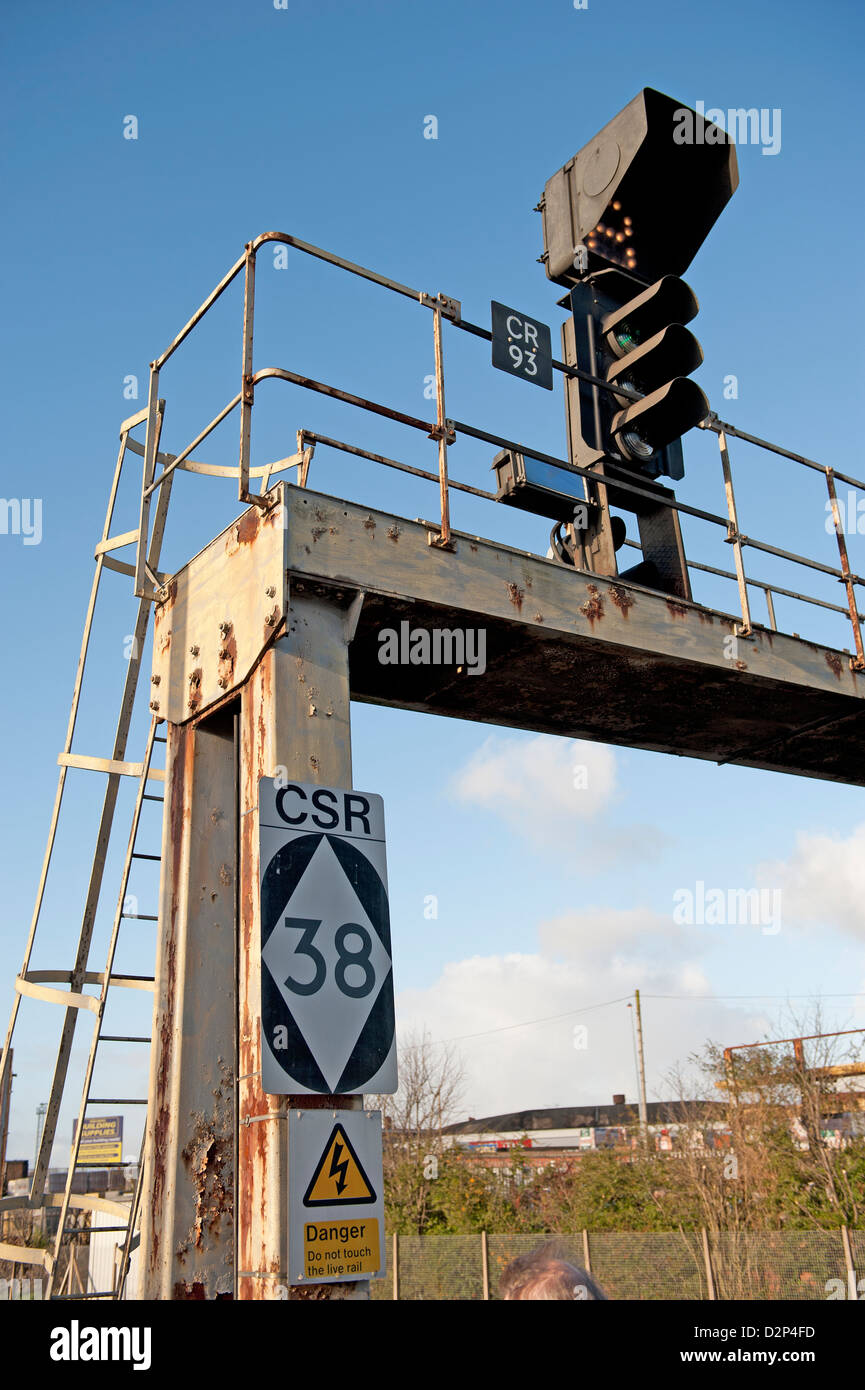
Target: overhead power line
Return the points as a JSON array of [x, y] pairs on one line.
[[688, 998]]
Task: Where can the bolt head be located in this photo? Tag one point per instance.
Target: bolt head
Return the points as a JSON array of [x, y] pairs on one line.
[[154, 704], [193, 651]]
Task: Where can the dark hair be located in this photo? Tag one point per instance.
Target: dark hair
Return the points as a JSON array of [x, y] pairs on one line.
[[545, 1274]]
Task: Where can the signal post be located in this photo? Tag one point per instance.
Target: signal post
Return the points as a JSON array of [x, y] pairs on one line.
[[253, 684]]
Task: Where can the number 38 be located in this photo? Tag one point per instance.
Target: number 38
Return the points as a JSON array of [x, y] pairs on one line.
[[346, 957]]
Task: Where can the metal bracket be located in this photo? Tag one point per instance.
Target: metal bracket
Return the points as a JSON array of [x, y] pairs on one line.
[[447, 432], [434, 536], [450, 308]]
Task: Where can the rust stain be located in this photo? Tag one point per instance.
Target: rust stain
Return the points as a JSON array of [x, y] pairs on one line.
[[676, 610], [593, 608], [741, 666], [369, 524], [516, 596], [539, 617], [705, 617], [185, 1292], [207, 1158], [393, 532], [180, 751], [227, 658], [194, 699], [623, 600], [318, 532], [473, 548], [248, 526], [833, 661]]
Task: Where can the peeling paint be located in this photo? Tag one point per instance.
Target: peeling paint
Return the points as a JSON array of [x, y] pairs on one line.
[[593, 608], [622, 598]]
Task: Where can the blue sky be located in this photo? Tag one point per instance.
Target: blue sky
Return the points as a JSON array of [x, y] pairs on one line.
[[310, 120]]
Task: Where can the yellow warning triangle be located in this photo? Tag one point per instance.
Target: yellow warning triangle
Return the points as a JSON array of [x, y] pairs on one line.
[[339, 1176]]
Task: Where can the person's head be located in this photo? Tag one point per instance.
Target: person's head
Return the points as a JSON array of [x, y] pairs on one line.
[[544, 1274]]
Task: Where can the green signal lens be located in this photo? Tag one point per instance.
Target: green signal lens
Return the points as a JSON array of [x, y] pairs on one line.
[[627, 338]]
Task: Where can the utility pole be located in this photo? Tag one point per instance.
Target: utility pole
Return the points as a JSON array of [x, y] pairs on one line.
[[41, 1112], [641, 1066]]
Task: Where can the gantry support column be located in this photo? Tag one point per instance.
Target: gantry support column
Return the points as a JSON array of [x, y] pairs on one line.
[[187, 1229], [294, 723]]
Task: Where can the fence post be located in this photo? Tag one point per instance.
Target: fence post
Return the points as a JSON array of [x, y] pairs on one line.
[[485, 1264], [395, 1266], [587, 1258], [852, 1289], [710, 1278]]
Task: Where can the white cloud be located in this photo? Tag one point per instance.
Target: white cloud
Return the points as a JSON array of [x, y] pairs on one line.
[[553, 792], [823, 881], [584, 958]]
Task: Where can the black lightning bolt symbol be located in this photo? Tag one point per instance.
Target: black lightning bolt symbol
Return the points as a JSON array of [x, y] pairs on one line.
[[337, 1168]]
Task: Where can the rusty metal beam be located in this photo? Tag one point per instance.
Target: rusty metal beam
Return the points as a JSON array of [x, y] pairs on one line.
[[188, 1184], [295, 720]]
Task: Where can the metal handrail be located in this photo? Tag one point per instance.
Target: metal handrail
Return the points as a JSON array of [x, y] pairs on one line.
[[444, 431]]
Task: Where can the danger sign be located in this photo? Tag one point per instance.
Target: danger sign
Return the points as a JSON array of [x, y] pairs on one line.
[[339, 1176], [336, 1210]]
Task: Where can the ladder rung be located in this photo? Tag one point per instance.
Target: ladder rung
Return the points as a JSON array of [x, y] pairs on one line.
[[158, 739], [65, 1297], [112, 765], [148, 797], [139, 917], [157, 857], [96, 1100], [90, 1230], [119, 1037]]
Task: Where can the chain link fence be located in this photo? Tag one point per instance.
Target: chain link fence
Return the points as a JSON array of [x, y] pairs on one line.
[[644, 1265]]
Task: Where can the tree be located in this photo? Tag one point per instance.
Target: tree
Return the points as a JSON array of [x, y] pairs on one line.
[[431, 1084]]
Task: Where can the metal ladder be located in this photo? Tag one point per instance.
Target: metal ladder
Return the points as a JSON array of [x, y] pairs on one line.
[[42, 984], [99, 1037]]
